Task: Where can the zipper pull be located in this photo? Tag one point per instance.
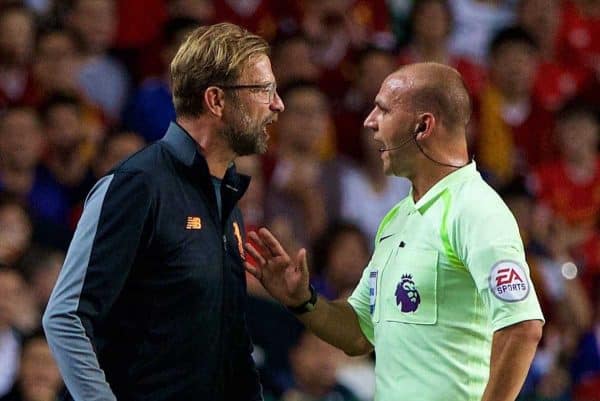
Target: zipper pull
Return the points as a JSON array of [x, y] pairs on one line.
[[224, 242]]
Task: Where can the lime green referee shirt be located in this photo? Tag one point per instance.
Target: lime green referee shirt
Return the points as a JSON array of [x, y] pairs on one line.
[[447, 271]]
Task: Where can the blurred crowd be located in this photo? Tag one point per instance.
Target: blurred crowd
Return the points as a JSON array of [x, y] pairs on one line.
[[84, 84]]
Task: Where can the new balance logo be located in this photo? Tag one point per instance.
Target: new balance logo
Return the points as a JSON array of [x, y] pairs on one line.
[[193, 223]]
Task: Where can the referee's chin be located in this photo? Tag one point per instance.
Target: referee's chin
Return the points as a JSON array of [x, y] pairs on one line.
[[399, 167], [404, 173], [387, 167]]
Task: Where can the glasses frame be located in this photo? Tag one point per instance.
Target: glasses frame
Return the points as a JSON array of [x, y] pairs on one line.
[[270, 87]]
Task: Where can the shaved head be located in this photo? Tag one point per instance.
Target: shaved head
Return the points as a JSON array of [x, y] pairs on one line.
[[432, 88]]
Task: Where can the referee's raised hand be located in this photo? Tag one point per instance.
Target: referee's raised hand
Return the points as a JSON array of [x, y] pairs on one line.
[[286, 279]]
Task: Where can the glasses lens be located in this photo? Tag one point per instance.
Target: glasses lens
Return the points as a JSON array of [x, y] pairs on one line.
[[272, 92]]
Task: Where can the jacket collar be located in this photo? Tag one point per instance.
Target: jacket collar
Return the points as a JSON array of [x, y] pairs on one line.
[[182, 145], [184, 148]]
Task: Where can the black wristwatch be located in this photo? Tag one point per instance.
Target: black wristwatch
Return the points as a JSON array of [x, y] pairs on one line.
[[307, 306]]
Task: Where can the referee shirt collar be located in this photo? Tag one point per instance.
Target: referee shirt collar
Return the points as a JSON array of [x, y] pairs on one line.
[[462, 174]]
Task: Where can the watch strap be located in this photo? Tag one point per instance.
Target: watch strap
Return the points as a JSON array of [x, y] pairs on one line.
[[307, 306]]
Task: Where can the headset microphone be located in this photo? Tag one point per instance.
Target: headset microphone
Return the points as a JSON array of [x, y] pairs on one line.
[[404, 143], [421, 127]]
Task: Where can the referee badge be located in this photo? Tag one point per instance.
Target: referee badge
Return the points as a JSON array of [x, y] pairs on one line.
[[407, 294], [372, 290]]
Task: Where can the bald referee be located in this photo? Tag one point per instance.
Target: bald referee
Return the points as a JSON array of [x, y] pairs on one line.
[[446, 300]]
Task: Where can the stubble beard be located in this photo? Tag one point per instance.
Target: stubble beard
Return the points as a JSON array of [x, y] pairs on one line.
[[244, 136]]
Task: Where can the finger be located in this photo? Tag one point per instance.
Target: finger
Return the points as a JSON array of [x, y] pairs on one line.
[[253, 270], [255, 254], [259, 243], [272, 243]]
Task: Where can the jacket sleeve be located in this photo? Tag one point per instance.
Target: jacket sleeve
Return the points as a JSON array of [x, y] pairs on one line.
[[102, 252]]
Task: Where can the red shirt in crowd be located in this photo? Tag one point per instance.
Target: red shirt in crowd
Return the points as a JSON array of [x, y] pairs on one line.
[[579, 37], [262, 17], [556, 83], [577, 203]]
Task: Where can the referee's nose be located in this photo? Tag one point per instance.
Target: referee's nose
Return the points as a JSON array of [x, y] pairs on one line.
[[371, 121]]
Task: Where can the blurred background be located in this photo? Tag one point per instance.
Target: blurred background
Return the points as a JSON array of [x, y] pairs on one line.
[[84, 84]]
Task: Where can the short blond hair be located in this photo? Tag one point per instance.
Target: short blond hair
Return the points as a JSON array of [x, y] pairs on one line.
[[211, 55]]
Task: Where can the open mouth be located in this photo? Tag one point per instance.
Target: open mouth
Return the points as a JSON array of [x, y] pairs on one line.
[[266, 126]]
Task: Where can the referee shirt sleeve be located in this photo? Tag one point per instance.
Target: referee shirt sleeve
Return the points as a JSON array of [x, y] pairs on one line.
[[360, 302], [488, 237], [96, 267]]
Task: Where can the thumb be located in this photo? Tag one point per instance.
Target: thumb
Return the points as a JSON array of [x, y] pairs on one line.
[[301, 260]]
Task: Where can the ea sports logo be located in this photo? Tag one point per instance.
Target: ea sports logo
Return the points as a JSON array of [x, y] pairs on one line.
[[508, 281]]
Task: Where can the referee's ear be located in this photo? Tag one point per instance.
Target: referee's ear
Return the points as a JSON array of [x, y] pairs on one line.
[[214, 100]]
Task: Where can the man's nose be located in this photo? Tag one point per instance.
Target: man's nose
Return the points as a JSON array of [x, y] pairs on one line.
[[370, 121], [277, 104]]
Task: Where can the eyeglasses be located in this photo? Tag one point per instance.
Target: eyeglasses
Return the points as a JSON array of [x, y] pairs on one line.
[[265, 93]]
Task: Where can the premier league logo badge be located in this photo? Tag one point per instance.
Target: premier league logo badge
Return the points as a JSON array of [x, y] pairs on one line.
[[407, 294]]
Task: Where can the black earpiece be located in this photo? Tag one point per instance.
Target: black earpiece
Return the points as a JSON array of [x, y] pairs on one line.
[[421, 127]]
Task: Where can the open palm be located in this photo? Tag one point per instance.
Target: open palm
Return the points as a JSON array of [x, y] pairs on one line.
[[285, 279]]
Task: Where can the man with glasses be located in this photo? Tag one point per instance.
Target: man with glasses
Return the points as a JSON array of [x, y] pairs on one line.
[[149, 304]]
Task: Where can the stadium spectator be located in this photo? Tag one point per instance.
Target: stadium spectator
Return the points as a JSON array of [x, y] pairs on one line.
[[55, 70], [579, 38], [40, 266], [69, 150], [431, 24], [150, 109], [340, 253], [16, 230], [304, 68], [334, 37], [115, 149], [570, 185], [102, 78], [372, 66], [302, 187], [21, 145], [366, 193], [56, 63], [38, 378], [265, 17], [17, 40], [586, 364], [314, 365], [11, 283], [514, 132], [476, 22], [199, 10]]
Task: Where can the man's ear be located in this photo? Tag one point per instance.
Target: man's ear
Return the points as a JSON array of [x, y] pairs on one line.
[[214, 100], [425, 126]]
